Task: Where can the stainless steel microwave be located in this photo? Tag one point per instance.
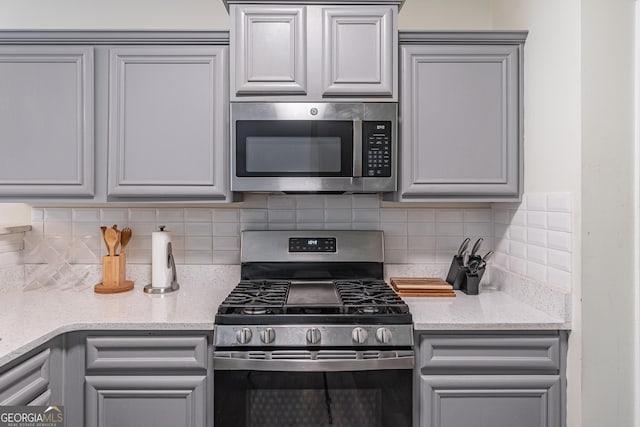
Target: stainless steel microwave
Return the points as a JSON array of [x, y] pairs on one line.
[[314, 147]]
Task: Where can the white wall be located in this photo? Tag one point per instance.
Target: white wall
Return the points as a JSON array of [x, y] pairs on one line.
[[608, 234], [14, 214], [445, 15]]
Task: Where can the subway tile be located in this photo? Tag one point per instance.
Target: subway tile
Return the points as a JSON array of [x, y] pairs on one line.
[[139, 242], [175, 228], [421, 215], [282, 226], [226, 257], [110, 216], [198, 215], [421, 257], [142, 215], [56, 228], [537, 271], [477, 215], [393, 215], [85, 215], [37, 214], [226, 243], [338, 225], [198, 228], [337, 202], [254, 215], [518, 249], [501, 231], [448, 245], [477, 229], [254, 226], [559, 240], [365, 201], [365, 225], [79, 229], [421, 242], [226, 215], [502, 216], [37, 226], [226, 229], [365, 215], [309, 216], [504, 246], [559, 259], [254, 201], [537, 202], [537, 220], [177, 242], [139, 257], [421, 229], [559, 221], [57, 214], [536, 236], [337, 215], [449, 229], [443, 257], [537, 254], [500, 259], [282, 216], [309, 202], [198, 243], [559, 278], [449, 215], [394, 228], [395, 256], [142, 228], [518, 265], [11, 258], [310, 226], [198, 257], [559, 202], [395, 242], [519, 218], [281, 202]]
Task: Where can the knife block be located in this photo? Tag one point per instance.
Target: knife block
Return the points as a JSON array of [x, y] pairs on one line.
[[113, 276]]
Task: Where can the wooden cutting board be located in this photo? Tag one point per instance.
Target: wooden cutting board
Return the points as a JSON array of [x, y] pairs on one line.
[[422, 287]]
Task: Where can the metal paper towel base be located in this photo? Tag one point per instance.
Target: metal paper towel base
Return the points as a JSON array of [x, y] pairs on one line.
[[149, 289]]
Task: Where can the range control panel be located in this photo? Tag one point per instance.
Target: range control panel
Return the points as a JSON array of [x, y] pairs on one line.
[[312, 244], [376, 149]]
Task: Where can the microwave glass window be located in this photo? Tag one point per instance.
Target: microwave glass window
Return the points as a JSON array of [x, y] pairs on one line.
[[303, 148], [293, 154]]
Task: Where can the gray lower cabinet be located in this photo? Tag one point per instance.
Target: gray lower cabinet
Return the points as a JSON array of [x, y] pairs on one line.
[[490, 379], [168, 121], [28, 382], [146, 381], [46, 121], [461, 116]]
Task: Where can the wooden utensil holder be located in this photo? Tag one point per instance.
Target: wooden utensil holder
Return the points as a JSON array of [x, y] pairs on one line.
[[113, 275]]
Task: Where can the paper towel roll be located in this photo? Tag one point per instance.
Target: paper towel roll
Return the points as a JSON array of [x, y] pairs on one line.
[[160, 267]]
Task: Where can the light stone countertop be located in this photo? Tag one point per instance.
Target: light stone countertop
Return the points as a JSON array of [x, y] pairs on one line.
[[29, 319]]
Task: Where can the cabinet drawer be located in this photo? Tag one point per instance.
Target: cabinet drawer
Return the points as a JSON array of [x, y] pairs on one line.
[[146, 353], [26, 381], [490, 352]]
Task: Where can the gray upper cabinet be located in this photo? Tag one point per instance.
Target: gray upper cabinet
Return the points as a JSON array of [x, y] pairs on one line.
[[313, 52], [168, 127], [461, 117], [46, 121]]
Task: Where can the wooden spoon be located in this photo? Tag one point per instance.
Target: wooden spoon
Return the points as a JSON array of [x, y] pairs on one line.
[[103, 229], [124, 239], [111, 239]]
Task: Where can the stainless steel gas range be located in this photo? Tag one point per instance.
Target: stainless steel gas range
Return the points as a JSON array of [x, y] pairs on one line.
[[312, 335]]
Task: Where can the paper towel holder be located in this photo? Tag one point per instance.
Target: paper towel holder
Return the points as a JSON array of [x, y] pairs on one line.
[[171, 263]]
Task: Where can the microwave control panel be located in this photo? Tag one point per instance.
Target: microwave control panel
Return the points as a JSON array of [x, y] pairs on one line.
[[376, 149]]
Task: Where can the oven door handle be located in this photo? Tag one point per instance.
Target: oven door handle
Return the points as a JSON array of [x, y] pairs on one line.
[[324, 365]]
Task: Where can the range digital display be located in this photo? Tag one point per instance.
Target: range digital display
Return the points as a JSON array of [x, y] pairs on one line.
[[312, 244]]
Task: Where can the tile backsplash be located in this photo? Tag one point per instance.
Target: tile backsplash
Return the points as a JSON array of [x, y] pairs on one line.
[[532, 239], [212, 235]]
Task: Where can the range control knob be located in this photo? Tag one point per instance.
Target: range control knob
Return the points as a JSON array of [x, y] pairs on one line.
[[313, 336], [243, 336], [383, 335], [267, 335], [359, 335]]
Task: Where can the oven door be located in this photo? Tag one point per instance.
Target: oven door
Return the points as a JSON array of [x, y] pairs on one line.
[[313, 388]]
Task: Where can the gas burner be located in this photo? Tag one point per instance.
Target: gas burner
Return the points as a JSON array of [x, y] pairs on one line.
[[254, 310], [369, 310]]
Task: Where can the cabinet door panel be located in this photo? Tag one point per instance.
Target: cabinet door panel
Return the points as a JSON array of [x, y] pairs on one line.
[[46, 121], [490, 401], [270, 47], [26, 381], [151, 401], [168, 121], [460, 126], [358, 51]]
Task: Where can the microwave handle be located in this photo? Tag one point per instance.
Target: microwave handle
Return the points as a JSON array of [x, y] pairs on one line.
[[357, 148]]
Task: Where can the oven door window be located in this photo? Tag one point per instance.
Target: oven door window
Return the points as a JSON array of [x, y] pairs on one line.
[[309, 399], [313, 148]]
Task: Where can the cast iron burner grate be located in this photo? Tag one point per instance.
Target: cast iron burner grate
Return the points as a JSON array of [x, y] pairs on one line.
[[253, 297], [369, 297]]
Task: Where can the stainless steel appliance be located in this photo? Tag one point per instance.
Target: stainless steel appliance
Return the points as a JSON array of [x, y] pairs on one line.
[[312, 335], [314, 147]]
